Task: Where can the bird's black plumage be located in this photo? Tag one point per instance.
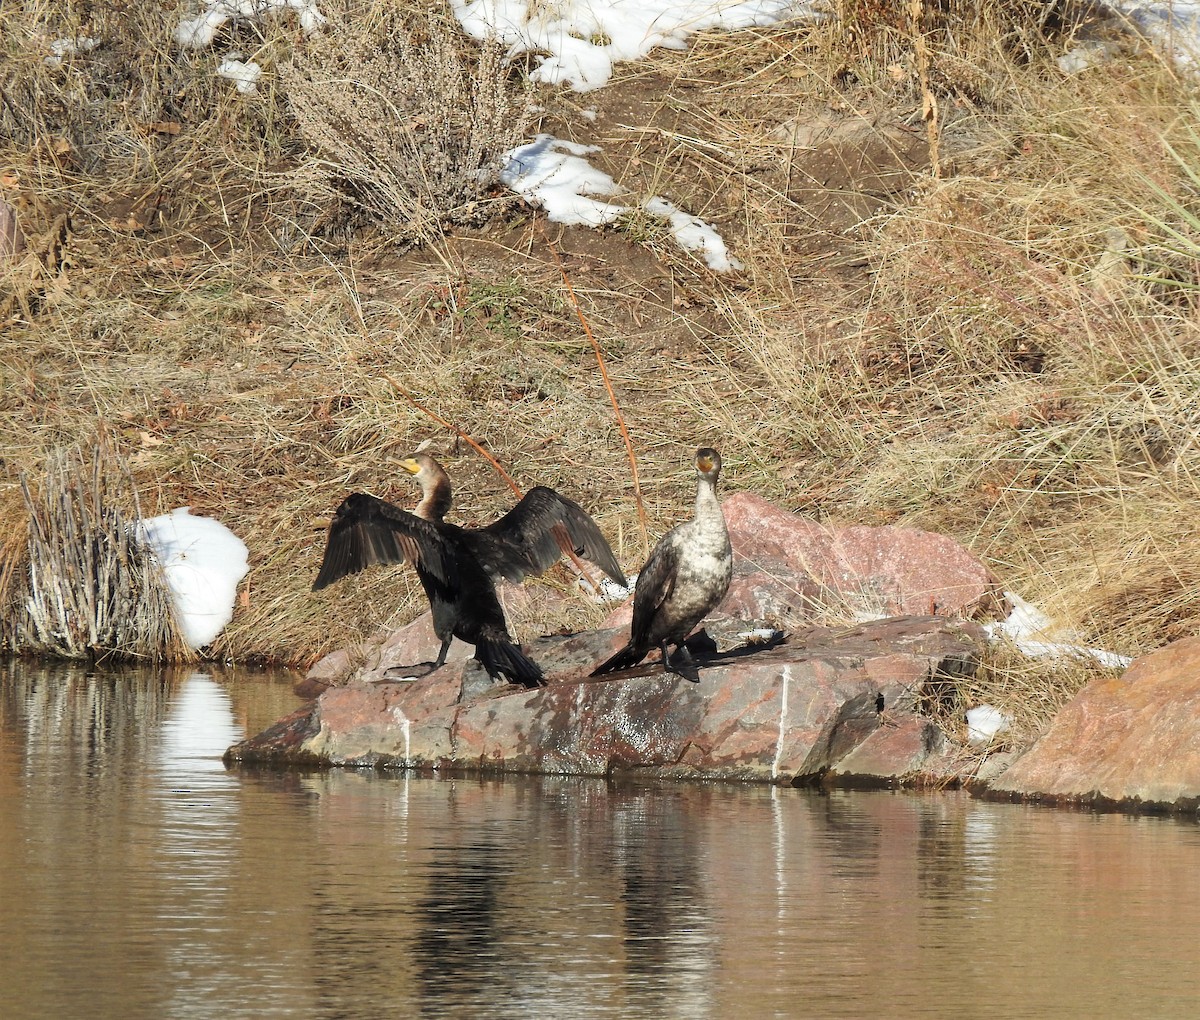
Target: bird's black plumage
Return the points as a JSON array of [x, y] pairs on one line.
[[458, 567], [686, 575]]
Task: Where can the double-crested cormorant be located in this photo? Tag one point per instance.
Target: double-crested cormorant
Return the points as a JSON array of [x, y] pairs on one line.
[[686, 575], [458, 567]]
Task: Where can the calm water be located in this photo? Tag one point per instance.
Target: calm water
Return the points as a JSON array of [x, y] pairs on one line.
[[139, 878]]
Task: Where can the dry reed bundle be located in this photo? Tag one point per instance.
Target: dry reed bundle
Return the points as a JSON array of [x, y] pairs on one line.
[[93, 589]]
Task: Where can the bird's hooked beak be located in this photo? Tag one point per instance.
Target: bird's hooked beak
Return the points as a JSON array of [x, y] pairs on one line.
[[704, 463]]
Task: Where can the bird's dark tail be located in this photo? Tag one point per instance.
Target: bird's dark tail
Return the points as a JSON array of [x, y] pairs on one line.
[[624, 659], [503, 658]]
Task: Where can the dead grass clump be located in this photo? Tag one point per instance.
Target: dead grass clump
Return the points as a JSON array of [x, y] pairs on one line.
[[951, 56], [87, 83], [1028, 692], [1004, 354], [408, 123], [93, 589]]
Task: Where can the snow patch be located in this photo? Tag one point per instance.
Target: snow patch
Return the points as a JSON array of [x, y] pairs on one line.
[[552, 173], [245, 75], [1172, 28], [69, 48], [760, 635], [1036, 634], [203, 561], [608, 590], [693, 234], [193, 33], [984, 722], [578, 42]]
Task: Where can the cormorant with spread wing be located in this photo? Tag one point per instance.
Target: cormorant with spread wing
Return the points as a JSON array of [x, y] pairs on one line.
[[458, 567], [687, 574]]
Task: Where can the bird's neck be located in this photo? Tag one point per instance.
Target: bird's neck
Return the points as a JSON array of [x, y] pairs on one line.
[[708, 507], [435, 500]]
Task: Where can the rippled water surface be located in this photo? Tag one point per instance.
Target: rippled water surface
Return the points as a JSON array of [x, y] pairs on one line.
[[140, 878]]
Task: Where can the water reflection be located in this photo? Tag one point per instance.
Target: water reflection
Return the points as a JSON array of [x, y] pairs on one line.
[[116, 869], [458, 930], [666, 919], [138, 877]]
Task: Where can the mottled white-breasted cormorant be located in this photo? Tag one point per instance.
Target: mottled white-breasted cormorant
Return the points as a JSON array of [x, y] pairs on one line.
[[686, 575], [459, 567]]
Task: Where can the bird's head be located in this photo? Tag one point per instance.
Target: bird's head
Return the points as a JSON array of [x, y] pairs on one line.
[[421, 465], [434, 482], [708, 462]]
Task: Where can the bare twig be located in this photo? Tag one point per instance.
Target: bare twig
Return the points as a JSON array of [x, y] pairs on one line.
[[457, 431], [929, 103], [612, 396]]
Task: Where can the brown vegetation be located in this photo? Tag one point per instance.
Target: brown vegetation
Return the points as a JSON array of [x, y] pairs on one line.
[[998, 343]]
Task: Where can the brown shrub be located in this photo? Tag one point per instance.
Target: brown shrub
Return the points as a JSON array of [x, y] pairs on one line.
[[407, 122]]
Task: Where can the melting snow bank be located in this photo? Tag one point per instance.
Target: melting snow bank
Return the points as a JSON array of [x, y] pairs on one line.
[[553, 174], [584, 39], [203, 562], [1029, 628], [1172, 27], [201, 30]]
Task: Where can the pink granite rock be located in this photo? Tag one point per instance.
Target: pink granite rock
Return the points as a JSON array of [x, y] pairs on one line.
[[837, 701], [1126, 741], [879, 571], [414, 644], [899, 749], [788, 571], [773, 714]]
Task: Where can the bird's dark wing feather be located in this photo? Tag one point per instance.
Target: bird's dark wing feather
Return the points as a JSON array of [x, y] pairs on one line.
[[366, 531], [537, 532], [655, 583]]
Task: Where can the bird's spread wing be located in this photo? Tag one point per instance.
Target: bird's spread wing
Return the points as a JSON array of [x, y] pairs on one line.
[[366, 531], [539, 530]]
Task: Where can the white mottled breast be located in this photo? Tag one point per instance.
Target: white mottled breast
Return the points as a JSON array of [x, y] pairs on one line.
[[704, 571]]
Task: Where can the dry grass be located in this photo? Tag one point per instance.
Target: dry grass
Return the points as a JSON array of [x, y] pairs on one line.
[[1006, 352]]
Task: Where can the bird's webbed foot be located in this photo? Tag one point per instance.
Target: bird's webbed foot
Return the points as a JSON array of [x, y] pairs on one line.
[[413, 672], [683, 664]]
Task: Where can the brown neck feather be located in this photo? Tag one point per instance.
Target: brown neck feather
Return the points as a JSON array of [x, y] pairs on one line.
[[435, 493]]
